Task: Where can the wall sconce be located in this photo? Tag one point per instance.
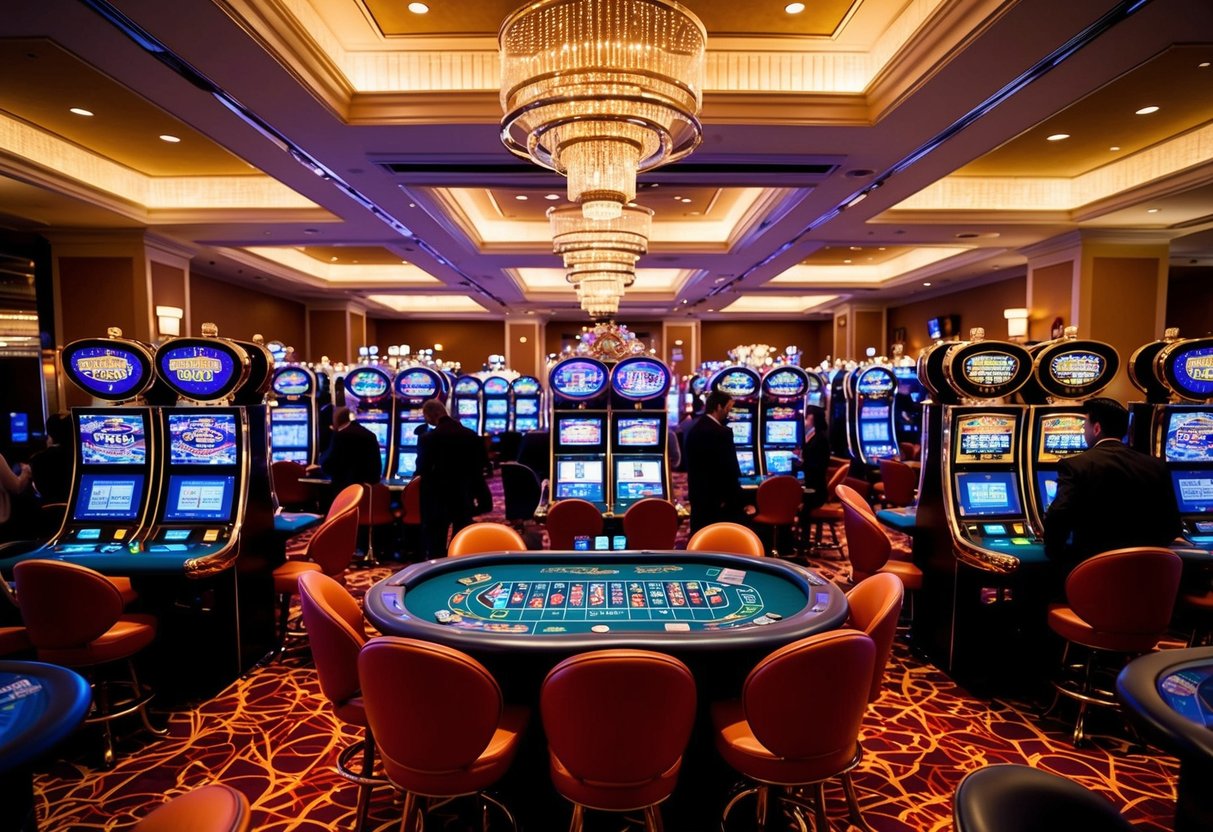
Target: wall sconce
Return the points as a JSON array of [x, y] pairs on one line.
[[168, 320], [870, 352], [1017, 322]]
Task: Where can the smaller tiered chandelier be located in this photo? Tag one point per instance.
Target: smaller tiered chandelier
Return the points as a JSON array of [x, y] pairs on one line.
[[600, 255]]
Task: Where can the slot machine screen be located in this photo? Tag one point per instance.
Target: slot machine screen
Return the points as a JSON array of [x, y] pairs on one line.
[[111, 497], [779, 462], [745, 461], [582, 432], [496, 407], [985, 495], [1046, 489], [194, 498], [18, 428], [523, 424], [1189, 436], [289, 427], [782, 433], [377, 426], [112, 439], [638, 432], [467, 407], [289, 456], [496, 424], [1061, 436], [579, 478], [408, 434], [202, 438], [526, 407], [743, 432], [1193, 491], [874, 432], [637, 478], [406, 463], [985, 439]]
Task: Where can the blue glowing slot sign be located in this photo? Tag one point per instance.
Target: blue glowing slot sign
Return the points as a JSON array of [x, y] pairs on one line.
[[526, 386], [467, 386], [640, 378], [784, 384], [579, 379], [417, 384], [366, 383], [198, 371], [496, 386], [107, 372], [737, 383], [292, 381], [1194, 371]]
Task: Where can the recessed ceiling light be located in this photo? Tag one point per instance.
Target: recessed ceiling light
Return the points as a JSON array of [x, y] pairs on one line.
[[720, 280], [1152, 210], [520, 197], [552, 196], [794, 8], [418, 8], [80, 111], [846, 261], [170, 139], [1145, 111], [1203, 65], [1114, 148], [1058, 137], [926, 283], [856, 248], [311, 231], [711, 310], [696, 213], [686, 199], [332, 259]]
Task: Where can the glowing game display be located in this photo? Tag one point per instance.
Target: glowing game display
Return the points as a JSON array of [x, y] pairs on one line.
[[585, 432], [526, 407], [743, 431], [112, 439], [1189, 437], [781, 433], [202, 439], [640, 378], [417, 383], [376, 424], [1046, 484], [1194, 371], [580, 479], [984, 439], [292, 381], [637, 478], [784, 384], [579, 379], [496, 407], [406, 464], [467, 407], [1193, 491], [193, 498], [779, 462], [737, 383], [1061, 436], [109, 372], [408, 433], [990, 369], [638, 432], [987, 494], [198, 371], [112, 498], [366, 383], [1076, 369], [875, 432], [745, 461]]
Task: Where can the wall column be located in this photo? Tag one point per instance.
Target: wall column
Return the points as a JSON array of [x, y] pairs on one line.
[[524, 341], [335, 330], [858, 327], [680, 346]]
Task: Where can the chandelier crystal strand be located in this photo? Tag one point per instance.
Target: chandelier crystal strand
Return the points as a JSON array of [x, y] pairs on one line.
[[599, 90], [584, 243]]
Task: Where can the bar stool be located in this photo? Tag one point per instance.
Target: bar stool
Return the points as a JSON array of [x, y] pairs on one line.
[[572, 518], [213, 808], [875, 604], [778, 501], [868, 546], [375, 512], [1013, 798], [410, 515], [829, 514], [733, 538], [479, 538], [897, 485], [651, 523]]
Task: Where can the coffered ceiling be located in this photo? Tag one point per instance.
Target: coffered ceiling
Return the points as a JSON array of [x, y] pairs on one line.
[[349, 149]]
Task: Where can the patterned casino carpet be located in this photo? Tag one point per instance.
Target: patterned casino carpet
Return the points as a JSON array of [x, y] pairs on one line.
[[271, 736]]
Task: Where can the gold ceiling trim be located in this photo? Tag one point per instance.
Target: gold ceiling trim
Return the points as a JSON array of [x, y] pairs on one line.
[[870, 275], [776, 304], [547, 284], [333, 274], [421, 305]]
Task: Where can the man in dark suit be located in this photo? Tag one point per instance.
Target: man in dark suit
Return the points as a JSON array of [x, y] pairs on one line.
[[1109, 496], [713, 475], [353, 453], [450, 461]]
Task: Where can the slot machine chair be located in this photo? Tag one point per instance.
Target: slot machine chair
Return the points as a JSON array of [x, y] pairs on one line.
[[651, 523], [349, 497], [522, 491], [869, 547], [874, 606], [897, 485], [433, 744], [764, 736], [74, 618], [1014, 798], [617, 693], [410, 517], [14, 641], [290, 493], [480, 538], [337, 631], [733, 538], [374, 513], [572, 518], [213, 808], [1118, 604], [778, 501], [829, 514]]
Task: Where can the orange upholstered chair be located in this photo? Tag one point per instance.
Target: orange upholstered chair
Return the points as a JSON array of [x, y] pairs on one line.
[[617, 693], [829, 515], [14, 640], [1118, 603], [290, 493], [898, 483], [213, 808], [479, 538], [765, 736], [778, 501], [868, 545], [572, 518], [439, 721], [733, 538], [346, 499], [375, 512], [874, 604], [73, 616], [410, 515], [336, 632], [651, 523]]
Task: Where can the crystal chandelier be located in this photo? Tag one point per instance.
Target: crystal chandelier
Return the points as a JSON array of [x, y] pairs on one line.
[[599, 90], [581, 242]]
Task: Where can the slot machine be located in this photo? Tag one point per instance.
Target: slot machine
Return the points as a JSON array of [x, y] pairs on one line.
[[907, 404], [368, 395], [579, 430], [295, 419], [413, 387], [869, 393], [639, 463], [495, 395], [1146, 377], [1065, 373], [839, 442], [525, 394], [818, 393], [466, 404], [784, 390], [743, 385], [696, 390]]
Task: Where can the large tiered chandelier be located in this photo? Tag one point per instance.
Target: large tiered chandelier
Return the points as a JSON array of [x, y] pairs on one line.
[[600, 255], [599, 90]]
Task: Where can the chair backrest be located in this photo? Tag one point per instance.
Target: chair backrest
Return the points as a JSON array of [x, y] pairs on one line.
[[65, 605], [651, 523], [899, 480], [568, 519], [485, 537], [431, 708], [787, 684], [410, 502], [334, 543], [909, 450], [778, 499], [733, 538], [376, 506], [1015, 798], [520, 487], [285, 475], [875, 604], [347, 498], [837, 477], [618, 693], [336, 633], [214, 808], [1126, 590], [868, 546]]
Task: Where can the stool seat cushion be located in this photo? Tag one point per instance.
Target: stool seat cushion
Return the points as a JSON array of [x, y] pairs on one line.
[[741, 749], [772, 520], [1066, 623], [1202, 601], [129, 595], [128, 635], [286, 576], [911, 575], [213, 808], [827, 512], [352, 711], [613, 797], [1015, 798]]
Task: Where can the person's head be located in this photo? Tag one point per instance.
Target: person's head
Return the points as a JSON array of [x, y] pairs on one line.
[[815, 418], [433, 411], [59, 429], [718, 404], [1106, 419], [342, 417]]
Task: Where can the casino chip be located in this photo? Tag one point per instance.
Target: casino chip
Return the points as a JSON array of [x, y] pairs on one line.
[[601, 628]]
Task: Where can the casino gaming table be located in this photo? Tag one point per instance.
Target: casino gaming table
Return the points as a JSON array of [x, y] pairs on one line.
[[1171, 693]]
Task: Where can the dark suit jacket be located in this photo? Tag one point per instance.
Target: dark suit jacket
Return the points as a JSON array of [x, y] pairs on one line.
[[52, 470], [713, 475], [352, 457], [450, 462], [1109, 497], [815, 461]]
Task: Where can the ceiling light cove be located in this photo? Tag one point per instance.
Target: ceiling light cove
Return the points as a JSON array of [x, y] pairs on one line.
[[777, 304], [428, 304], [804, 274]]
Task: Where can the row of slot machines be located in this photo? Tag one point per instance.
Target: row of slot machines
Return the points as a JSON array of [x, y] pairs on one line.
[[767, 419], [609, 431], [873, 409], [495, 404]]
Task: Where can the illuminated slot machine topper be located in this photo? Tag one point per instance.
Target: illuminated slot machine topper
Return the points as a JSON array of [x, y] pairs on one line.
[[641, 379], [417, 384], [986, 370], [203, 369], [1186, 368], [578, 380], [785, 383], [738, 382], [366, 385], [293, 382], [110, 369]]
